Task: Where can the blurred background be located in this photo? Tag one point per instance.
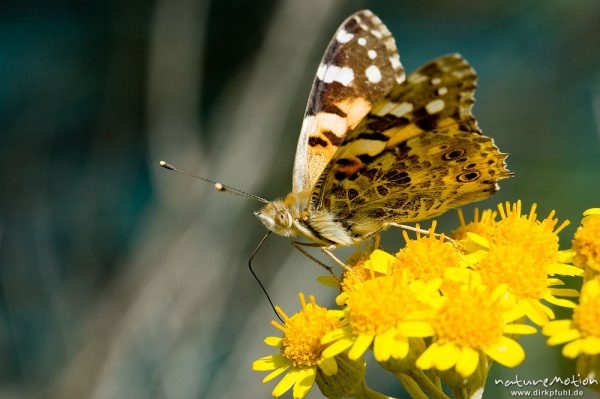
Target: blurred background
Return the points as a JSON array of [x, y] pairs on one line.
[[121, 280]]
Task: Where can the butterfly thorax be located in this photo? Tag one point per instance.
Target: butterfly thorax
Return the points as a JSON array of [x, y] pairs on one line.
[[292, 217]]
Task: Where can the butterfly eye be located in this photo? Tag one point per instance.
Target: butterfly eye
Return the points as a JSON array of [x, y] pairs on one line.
[[283, 219]]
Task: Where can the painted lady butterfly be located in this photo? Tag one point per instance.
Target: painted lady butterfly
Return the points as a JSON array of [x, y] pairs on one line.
[[378, 148]]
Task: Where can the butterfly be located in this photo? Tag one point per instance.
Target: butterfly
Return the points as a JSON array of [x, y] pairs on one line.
[[378, 148]]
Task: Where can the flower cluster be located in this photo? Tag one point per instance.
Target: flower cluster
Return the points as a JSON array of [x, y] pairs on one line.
[[442, 310]]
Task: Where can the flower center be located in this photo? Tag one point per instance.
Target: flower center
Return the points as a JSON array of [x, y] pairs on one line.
[[522, 251], [587, 314], [518, 268], [586, 243], [303, 332], [469, 319], [426, 258], [378, 305]]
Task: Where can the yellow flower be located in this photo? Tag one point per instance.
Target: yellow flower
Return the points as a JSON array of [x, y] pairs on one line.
[[582, 332], [362, 269], [471, 323], [300, 348], [586, 242], [384, 311], [523, 254], [429, 258]]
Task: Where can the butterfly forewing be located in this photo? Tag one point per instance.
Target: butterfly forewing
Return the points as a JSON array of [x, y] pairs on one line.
[[359, 67], [417, 153]]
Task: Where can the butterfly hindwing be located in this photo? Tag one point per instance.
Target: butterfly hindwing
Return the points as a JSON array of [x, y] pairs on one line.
[[359, 67], [418, 153]]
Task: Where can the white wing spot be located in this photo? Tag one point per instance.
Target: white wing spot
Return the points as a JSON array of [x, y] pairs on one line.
[[362, 41], [321, 71], [434, 106], [402, 109], [436, 81], [376, 33], [395, 61], [373, 74], [346, 76], [442, 90], [372, 54], [343, 36], [330, 73]]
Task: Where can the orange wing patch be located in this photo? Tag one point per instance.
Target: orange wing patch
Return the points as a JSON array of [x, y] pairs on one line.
[[327, 132], [360, 66]]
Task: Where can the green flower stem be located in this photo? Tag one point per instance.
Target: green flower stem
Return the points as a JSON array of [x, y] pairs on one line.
[[460, 393], [368, 393], [432, 389], [411, 386], [433, 376]]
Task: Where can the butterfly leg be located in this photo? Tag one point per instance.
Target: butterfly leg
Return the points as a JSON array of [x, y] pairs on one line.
[[298, 245], [327, 251], [376, 241], [419, 230]]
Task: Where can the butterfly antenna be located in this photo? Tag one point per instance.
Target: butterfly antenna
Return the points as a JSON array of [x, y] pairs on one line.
[[258, 279], [218, 186]]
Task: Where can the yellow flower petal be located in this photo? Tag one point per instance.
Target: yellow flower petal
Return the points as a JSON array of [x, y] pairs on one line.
[[555, 282], [415, 329], [467, 362], [591, 345], [562, 337], [274, 374], [535, 313], [328, 365], [380, 261], [336, 334], [592, 211], [447, 357], [286, 382], [336, 313], [568, 292], [383, 345], [566, 270], [304, 382], [427, 358], [337, 347], [516, 312], [474, 257], [507, 352], [519, 329], [565, 303], [566, 256], [572, 349], [273, 341], [555, 326], [361, 344], [270, 362], [478, 239], [400, 348]]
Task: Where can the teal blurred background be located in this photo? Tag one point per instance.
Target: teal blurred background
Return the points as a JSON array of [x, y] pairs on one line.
[[121, 280]]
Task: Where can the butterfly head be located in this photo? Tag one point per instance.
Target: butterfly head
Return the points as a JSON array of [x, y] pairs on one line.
[[277, 218]]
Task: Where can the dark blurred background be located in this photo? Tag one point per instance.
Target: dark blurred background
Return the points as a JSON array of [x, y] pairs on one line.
[[121, 280]]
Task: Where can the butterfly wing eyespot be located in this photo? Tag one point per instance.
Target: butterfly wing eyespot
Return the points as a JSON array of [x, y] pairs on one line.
[[453, 154]]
